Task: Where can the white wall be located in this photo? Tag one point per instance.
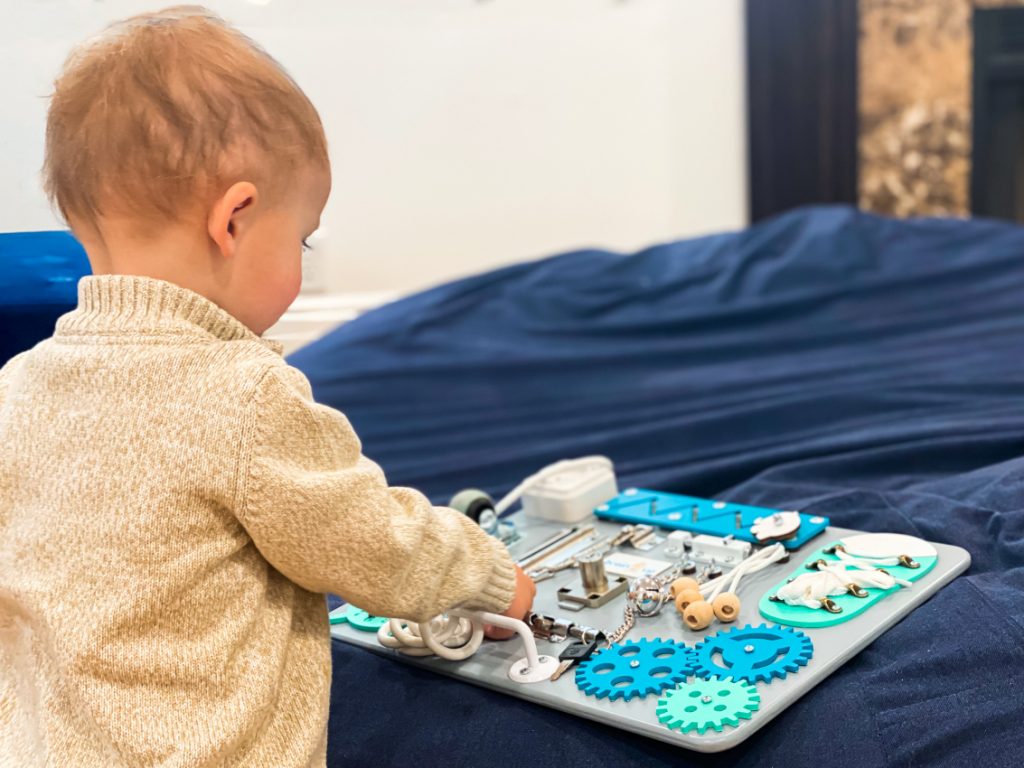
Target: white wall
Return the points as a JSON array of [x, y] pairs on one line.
[[464, 134]]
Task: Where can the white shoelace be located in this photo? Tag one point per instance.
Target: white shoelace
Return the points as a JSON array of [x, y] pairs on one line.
[[811, 589]]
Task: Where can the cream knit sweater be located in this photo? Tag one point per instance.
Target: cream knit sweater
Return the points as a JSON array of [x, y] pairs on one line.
[[172, 505]]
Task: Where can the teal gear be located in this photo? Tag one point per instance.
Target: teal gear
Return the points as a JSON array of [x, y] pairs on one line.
[[755, 654], [634, 668], [358, 618], [712, 703]]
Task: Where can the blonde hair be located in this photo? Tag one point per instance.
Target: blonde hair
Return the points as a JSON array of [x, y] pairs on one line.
[[164, 108]]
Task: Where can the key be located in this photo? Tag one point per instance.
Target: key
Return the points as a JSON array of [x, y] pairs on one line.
[[573, 654]]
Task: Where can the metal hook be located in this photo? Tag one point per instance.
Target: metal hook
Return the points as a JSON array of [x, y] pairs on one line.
[[829, 605], [908, 562], [855, 590]]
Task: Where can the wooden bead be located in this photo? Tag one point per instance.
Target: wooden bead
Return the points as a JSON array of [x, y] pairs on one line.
[[682, 584], [726, 606], [698, 614], [686, 597]]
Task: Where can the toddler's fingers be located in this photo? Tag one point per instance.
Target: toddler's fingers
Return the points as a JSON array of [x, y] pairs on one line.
[[497, 633]]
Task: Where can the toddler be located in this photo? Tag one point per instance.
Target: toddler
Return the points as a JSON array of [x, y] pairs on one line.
[[173, 503]]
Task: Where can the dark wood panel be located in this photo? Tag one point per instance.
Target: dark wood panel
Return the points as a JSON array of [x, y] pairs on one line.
[[802, 103]]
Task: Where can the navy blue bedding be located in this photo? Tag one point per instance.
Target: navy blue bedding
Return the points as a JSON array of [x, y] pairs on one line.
[[39, 273], [827, 360]]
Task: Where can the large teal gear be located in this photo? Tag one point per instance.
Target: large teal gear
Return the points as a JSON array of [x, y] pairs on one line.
[[755, 654], [358, 618], [634, 668], [712, 703]]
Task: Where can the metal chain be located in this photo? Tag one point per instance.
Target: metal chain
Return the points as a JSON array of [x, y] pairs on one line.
[[628, 620], [629, 614]]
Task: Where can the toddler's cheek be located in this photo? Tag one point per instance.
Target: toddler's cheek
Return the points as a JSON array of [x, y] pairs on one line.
[[290, 289], [285, 288]]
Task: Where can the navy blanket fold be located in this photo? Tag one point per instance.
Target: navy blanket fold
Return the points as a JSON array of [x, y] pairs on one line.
[[827, 360]]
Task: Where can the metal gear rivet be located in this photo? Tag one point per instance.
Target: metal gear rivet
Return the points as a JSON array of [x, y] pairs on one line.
[[754, 654], [703, 704], [634, 668]]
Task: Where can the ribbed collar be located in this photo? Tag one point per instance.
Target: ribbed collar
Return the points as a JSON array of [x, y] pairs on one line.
[[126, 304]]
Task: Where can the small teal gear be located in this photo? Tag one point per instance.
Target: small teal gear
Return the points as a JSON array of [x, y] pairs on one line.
[[358, 618], [712, 703], [755, 654], [634, 668]]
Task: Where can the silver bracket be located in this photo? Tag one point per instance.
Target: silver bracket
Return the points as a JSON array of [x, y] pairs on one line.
[[575, 597], [724, 551]]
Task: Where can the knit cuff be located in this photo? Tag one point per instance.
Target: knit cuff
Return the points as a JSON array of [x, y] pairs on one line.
[[496, 595]]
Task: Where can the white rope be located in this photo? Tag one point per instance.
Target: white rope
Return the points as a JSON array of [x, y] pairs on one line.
[[834, 578], [448, 636], [865, 575], [846, 557], [454, 636], [730, 582], [809, 589]]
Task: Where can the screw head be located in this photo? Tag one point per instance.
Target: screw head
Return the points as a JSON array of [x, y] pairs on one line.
[[525, 671], [706, 699], [634, 663], [748, 648]]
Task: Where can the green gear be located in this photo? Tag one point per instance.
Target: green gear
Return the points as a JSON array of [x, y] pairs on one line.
[[711, 703], [358, 618]]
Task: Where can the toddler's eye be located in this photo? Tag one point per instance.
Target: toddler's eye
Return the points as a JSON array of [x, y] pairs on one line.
[[306, 246]]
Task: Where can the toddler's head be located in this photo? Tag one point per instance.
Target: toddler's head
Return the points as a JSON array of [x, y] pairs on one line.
[[177, 148]]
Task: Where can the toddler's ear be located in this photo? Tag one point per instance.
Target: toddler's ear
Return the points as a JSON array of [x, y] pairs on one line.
[[226, 215]]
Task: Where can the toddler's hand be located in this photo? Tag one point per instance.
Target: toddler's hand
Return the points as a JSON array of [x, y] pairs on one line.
[[526, 590]]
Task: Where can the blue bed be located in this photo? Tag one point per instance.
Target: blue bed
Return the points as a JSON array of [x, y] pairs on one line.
[[39, 273], [827, 360], [866, 369]]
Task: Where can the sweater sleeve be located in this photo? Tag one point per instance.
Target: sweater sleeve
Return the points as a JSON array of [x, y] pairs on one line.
[[7, 373], [323, 515]]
